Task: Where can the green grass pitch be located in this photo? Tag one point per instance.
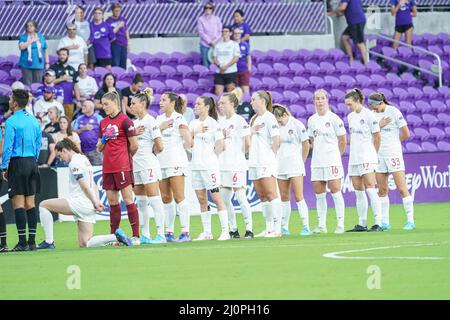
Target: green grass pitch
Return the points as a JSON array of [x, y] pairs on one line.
[[399, 265]]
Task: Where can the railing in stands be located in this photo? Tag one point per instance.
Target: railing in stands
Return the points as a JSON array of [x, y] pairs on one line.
[[435, 71]]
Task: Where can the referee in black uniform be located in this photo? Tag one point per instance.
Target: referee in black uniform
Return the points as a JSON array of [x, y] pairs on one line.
[[21, 147]]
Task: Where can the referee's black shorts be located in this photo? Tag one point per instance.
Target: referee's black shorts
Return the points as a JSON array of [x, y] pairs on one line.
[[23, 177]]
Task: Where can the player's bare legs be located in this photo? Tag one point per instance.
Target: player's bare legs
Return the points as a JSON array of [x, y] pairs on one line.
[[85, 232]]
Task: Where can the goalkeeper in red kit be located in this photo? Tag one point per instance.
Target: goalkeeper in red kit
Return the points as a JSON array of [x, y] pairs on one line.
[[119, 143]]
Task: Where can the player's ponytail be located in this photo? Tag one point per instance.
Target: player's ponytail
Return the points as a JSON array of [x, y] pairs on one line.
[[146, 96], [279, 111], [67, 144], [356, 95], [113, 96], [267, 97], [211, 103], [233, 98], [378, 96]]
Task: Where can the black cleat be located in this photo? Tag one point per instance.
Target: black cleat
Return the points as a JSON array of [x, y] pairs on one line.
[[32, 246], [4, 249], [358, 228], [235, 234], [19, 248], [376, 228], [248, 235]]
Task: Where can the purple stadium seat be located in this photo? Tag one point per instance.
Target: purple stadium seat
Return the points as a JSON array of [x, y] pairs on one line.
[[291, 97], [317, 82], [151, 72], [447, 132], [270, 83], [158, 86], [337, 95], [367, 91], [122, 84], [421, 134], [337, 55], [305, 55], [169, 71], [347, 82], [394, 79], [312, 69], [364, 81], [255, 84], [289, 55], [283, 70], [190, 97], [343, 67], [265, 69], [447, 102], [400, 93], [297, 111], [444, 118], [430, 92], [406, 107], [127, 77], [443, 91], [287, 83], [357, 67], [15, 73], [277, 97], [342, 109], [378, 80], [414, 120], [301, 82], [409, 79], [430, 120], [258, 56], [443, 146], [332, 82], [429, 147], [310, 109], [387, 93], [205, 83], [437, 134], [327, 68], [320, 55], [140, 60], [101, 71], [183, 58], [184, 71], [442, 38], [118, 71], [374, 68], [298, 69], [190, 85], [276, 55], [5, 65], [201, 70], [412, 147], [438, 106], [423, 106], [14, 59], [306, 96], [415, 93], [405, 53]]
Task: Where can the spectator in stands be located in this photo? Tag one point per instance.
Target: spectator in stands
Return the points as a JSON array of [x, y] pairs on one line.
[[53, 115], [244, 63], [42, 106], [404, 11], [121, 45], [240, 24], [356, 21], [209, 28], [129, 92], [187, 113], [108, 85], [226, 55], [47, 154], [102, 34], [66, 77], [33, 54], [49, 81], [65, 131], [244, 109], [4, 101], [84, 31], [86, 84], [78, 52], [88, 128]]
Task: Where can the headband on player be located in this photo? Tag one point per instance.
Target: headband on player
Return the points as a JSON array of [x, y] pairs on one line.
[[375, 102]]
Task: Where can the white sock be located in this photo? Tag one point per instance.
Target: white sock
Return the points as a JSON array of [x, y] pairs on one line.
[[361, 206], [408, 205], [156, 204], [286, 214], [268, 216], [375, 203], [385, 209], [246, 209], [275, 207], [339, 206], [226, 195], [223, 216], [47, 224], [170, 212], [304, 214], [321, 205], [206, 221], [183, 209], [100, 241], [144, 215]]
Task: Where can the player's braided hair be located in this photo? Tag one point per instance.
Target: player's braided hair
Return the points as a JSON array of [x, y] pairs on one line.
[[279, 110], [145, 96], [67, 144], [211, 103], [379, 96], [356, 95]]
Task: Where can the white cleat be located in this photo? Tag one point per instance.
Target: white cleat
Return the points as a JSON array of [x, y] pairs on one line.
[[273, 234], [261, 234], [339, 230], [224, 236], [320, 230], [204, 236], [136, 241]]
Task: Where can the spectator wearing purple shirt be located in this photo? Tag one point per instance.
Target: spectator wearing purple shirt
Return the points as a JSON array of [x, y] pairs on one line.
[[244, 63], [121, 45], [240, 24], [209, 28], [404, 11], [102, 34], [356, 21], [88, 128]]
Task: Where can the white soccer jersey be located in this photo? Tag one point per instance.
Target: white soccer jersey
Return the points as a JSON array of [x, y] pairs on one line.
[[145, 158], [80, 169], [289, 157], [203, 155], [390, 134], [173, 154], [261, 153], [362, 125], [233, 157], [325, 130]]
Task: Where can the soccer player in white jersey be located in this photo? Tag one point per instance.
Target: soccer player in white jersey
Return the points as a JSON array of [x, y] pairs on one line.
[[291, 158], [174, 164], [83, 203], [233, 165], [363, 160], [146, 169], [328, 139], [394, 130], [207, 145], [264, 145]]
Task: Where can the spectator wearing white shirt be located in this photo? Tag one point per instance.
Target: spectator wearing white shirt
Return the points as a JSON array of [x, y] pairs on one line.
[[84, 31], [87, 84], [226, 55], [42, 106], [78, 51]]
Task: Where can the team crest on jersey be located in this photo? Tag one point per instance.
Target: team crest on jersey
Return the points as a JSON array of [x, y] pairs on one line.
[[291, 132], [362, 121], [327, 124], [315, 133], [231, 127]]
